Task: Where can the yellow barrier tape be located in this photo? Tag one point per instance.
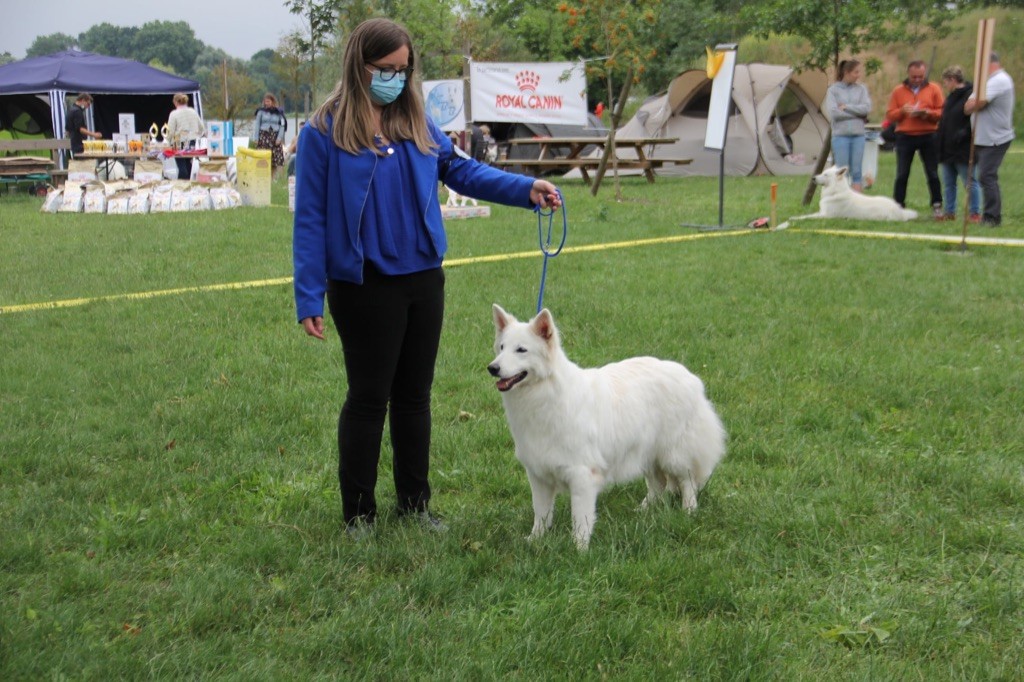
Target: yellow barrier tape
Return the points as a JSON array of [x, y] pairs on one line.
[[138, 296], [909, 236], [455, 262]]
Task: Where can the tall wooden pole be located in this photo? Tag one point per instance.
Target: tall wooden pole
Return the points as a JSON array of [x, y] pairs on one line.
[[982, 57]]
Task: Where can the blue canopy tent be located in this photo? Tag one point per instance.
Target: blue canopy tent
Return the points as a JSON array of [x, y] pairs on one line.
[[117, 86]]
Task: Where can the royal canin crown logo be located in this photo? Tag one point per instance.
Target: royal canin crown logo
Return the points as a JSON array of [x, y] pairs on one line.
[[527, 81]]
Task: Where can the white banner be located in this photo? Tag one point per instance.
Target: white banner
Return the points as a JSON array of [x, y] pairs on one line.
[[554, 92], [445, 104]]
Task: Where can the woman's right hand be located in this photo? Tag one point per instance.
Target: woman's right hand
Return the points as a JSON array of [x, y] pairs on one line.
[[314, 326]]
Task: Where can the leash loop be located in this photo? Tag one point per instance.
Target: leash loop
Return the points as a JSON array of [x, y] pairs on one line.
[[545, 242]]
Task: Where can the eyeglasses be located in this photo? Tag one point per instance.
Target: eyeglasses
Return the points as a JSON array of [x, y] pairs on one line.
[[387, 73]]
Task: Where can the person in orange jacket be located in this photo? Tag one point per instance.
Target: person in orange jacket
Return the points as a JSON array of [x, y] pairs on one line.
[[916, 106]]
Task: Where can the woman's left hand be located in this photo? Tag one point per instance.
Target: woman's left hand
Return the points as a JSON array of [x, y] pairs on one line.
[[545, 195]]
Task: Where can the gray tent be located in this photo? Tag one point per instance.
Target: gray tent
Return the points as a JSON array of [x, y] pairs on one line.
[[777, 127]]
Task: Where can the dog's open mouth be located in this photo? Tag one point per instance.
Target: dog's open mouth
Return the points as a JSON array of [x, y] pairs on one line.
[[506, 384]]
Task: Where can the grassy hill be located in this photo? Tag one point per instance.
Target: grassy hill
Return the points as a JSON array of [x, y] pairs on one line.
[[956, 48]]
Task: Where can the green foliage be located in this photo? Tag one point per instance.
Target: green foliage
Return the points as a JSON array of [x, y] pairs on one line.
[[48, 44], [115, 41], [534, 27], [866, 634], [889, 61], [290, 71], [832, 28], [229, 92], [171, 42], [614, 38]]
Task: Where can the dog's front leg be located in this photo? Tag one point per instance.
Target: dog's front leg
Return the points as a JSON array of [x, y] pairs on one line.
[[584, 485], [655, 487], [543, 493]]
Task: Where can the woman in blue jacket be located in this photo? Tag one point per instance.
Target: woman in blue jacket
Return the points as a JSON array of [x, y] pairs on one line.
[[369, 236]]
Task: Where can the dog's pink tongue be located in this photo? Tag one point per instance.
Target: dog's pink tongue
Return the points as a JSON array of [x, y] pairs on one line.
[[504, 384]]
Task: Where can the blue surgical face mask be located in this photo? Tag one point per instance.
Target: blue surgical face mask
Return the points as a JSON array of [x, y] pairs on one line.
[[384, 92]]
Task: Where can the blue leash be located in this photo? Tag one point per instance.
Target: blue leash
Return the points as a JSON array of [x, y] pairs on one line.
[[545, 246]]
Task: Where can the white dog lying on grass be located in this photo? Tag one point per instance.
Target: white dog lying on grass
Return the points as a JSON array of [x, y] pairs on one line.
[[838, 200], [584, 429]]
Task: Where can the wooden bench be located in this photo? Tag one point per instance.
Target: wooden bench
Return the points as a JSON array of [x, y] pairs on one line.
[[53, 174], [587, 163]]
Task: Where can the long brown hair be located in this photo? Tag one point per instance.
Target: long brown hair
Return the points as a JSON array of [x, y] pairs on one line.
[[350, 105], [845, 67]]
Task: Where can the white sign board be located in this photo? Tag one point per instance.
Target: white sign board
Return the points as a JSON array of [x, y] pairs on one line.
[[552, 92], [445, 102], [126, 124], [721, 98]]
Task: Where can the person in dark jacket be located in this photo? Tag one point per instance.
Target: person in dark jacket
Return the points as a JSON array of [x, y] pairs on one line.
[[76, 127], [954, 139]]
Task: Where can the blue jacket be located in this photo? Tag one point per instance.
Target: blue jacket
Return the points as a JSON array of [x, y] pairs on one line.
[[331, 187]]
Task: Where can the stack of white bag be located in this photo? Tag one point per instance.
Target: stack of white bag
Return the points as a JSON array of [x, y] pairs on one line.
[[130, 197]]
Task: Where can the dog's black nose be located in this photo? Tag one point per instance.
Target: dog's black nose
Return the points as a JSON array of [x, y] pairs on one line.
[[494, 369]]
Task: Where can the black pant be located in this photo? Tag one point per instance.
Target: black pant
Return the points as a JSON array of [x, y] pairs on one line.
[[926, 145], [989, 159], [390, 329], [184, 168]]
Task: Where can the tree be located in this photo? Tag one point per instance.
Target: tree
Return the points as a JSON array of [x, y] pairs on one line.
[[289, 68], [686, 28], [113, 41], [836, 27], [615, 39], [55, 42], [262, 70], [535, 25], [229, 93], [170, 42], [432, 24], [320, 20], [833, 28]]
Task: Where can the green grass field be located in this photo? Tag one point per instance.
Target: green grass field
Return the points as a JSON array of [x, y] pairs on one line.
[[168, 490]]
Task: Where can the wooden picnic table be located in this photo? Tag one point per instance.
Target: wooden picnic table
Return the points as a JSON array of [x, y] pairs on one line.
[[567, 152]]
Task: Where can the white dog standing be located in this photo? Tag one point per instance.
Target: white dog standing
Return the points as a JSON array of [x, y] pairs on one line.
[[838, 200], [583, 429], [455, 199]]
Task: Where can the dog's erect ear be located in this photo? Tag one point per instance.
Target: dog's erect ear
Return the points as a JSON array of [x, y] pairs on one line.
[[543, 325], [501, 318], [842, 171]]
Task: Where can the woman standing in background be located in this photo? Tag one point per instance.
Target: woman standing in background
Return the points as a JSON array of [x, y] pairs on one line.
[[184, 128], [847, 104], [269, 128]]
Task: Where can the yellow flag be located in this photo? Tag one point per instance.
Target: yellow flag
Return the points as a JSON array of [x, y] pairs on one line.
[[715, 60]]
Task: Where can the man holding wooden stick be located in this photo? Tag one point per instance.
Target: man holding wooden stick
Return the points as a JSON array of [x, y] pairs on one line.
[[993, 133]]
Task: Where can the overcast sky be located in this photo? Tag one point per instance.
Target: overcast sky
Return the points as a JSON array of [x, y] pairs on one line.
[[239, 27]]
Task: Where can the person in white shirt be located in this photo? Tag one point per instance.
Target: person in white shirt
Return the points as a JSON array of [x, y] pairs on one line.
[[993, 133], [184, 127]]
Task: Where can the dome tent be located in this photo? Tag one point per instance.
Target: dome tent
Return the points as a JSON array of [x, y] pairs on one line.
[[777, 126], [117, 86]]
